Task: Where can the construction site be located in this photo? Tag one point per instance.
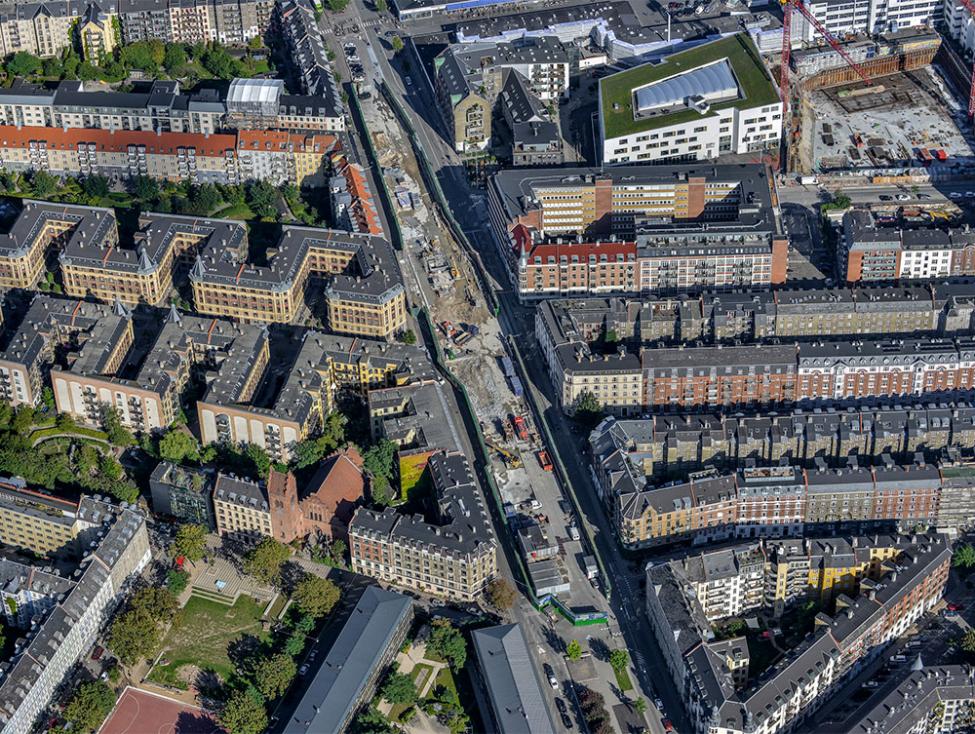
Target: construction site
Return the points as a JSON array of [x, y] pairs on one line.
[[876, 104]]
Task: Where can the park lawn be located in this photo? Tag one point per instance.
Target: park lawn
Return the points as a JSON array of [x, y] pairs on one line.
[[446, 679], [235, 211], [623, 680], [203, 632]]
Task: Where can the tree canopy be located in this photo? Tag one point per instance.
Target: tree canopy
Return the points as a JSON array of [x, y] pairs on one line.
[[89, 706], [398, 688], [190, 541], [315, 596], [244, 713], [273, 675], [448, 642], [265, 560]]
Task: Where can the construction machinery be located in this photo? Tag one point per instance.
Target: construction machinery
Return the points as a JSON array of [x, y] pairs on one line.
[[787, 6], [510, 459]]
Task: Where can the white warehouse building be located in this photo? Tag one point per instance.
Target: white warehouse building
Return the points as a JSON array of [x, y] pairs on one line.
[[697, 104]]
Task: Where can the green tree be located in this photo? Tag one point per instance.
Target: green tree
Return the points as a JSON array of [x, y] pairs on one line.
[[407, 336], [265, 560], [95, 187], [964, 556], [378, 462], [118, 435], [134, 636], [262, 199], [448, 642], [190, 542], [397, 43], [338, 550], [47, 398], [176, 581], [967, 642], [337, 6], [315, 596], [42, 184], [158, 603], [381, 6], [273, 675], [640, 705], [178, 445], [87, 71], [174, 57], [109, 467], [574, 650], [501, 594], [398, 688], [244, 713], [259, 458], [619, 659], [145, 189], [24, 64], [312, 450], [52, 68], [89, 706], [70, 62]]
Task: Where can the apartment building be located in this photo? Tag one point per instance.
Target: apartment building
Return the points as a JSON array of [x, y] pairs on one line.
[[184, 493], [453, 558], [118, 552], [96, 31], [275, 157], [28, 592], [870, 18], [38, 521], [698, 104], [162, 107], [470, 78], [535, 138], [576, 232], [230, 22], [774, 502], [703, 377], [371, 638], [322, 364], [669, 446], [718, 698], [872, 252], [242, 508], [937, 699], [935, 308], [296, 21], [40, 28], [364, 291]]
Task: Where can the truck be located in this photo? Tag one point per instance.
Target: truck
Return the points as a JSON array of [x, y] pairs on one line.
[[808, 180], [544, 461], [521, 428]]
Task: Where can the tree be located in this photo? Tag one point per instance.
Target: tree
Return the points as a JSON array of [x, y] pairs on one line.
[[190, 542], [24, 64], [43, 184], [95, 187], [134, 636], [259, 458], [312, 450], [588, 404], [273, 675], [244, 713], [399, 689], [447, 642], [218, 62], [964, 556], [160, 604], [338, 550], [174, 57], [87, 71], [618, 660], [378, 462], [52, 68], [89, 706], [381, 6], [177, 580], [178, 445], [262, 198], [574, 650], [265, 560], [397, 44], [967, 642], [640, 705], [501, 594], [407, 336], [145, 189], [118, 435], [337, 6], [315, 596]]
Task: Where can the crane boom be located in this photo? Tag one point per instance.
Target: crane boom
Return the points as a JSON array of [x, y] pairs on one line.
[[831, 40]]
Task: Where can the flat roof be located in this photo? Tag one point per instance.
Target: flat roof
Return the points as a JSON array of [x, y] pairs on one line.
[[616, 91]]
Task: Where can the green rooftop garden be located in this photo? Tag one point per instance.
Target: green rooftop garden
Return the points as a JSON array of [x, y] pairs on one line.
[[755, 85]]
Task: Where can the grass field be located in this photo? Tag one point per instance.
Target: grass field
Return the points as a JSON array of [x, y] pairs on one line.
[[623, 680], [202, 634]]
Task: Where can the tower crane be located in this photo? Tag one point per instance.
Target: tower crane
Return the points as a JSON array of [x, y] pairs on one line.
[[787, 6]]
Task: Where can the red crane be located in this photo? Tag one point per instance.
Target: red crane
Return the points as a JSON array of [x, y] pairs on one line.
[[970, 6], [787, 47]]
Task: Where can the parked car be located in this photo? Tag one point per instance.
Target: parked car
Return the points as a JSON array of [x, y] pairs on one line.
[[564, 713], [550, 674], [955, 606], [303, 669], [668, 725]]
